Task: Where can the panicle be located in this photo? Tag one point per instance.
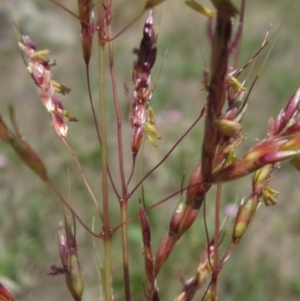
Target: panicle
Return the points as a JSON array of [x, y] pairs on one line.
[[269, 151], [283, 144], [39, 67], [141, 114]]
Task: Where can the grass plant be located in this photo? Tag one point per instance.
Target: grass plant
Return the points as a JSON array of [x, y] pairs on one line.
[[155, 206]]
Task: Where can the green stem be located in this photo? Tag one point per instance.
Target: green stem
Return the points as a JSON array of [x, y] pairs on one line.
[[107, 275], [216, 244], [123, 204]]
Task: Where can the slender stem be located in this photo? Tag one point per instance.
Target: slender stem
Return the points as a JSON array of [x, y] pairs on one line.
[[124, 199], [216, 243], [123, 204], [147, 209], [227, 255], [82, 175], [168, 153], [67, 10], [127, 26], [96, 125], [65, 203], [238, 46], [117, 112], [104, 162]]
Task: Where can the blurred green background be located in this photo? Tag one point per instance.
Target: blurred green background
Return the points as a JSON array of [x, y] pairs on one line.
[[266, 264]]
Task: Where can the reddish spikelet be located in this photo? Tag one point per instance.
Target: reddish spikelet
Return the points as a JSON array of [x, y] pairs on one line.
[[23, 149], [292, 130], [164, 250], [5, 295], [140, 110], [263, 158], [63, 245], [176, 218], [183, 217], [59, 125], [39, 67], [197, 189], [147, 252], [190, 215], [86, 15], [287, 115], [269, 151], [278, 156], [169, 240], [195, 194]]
